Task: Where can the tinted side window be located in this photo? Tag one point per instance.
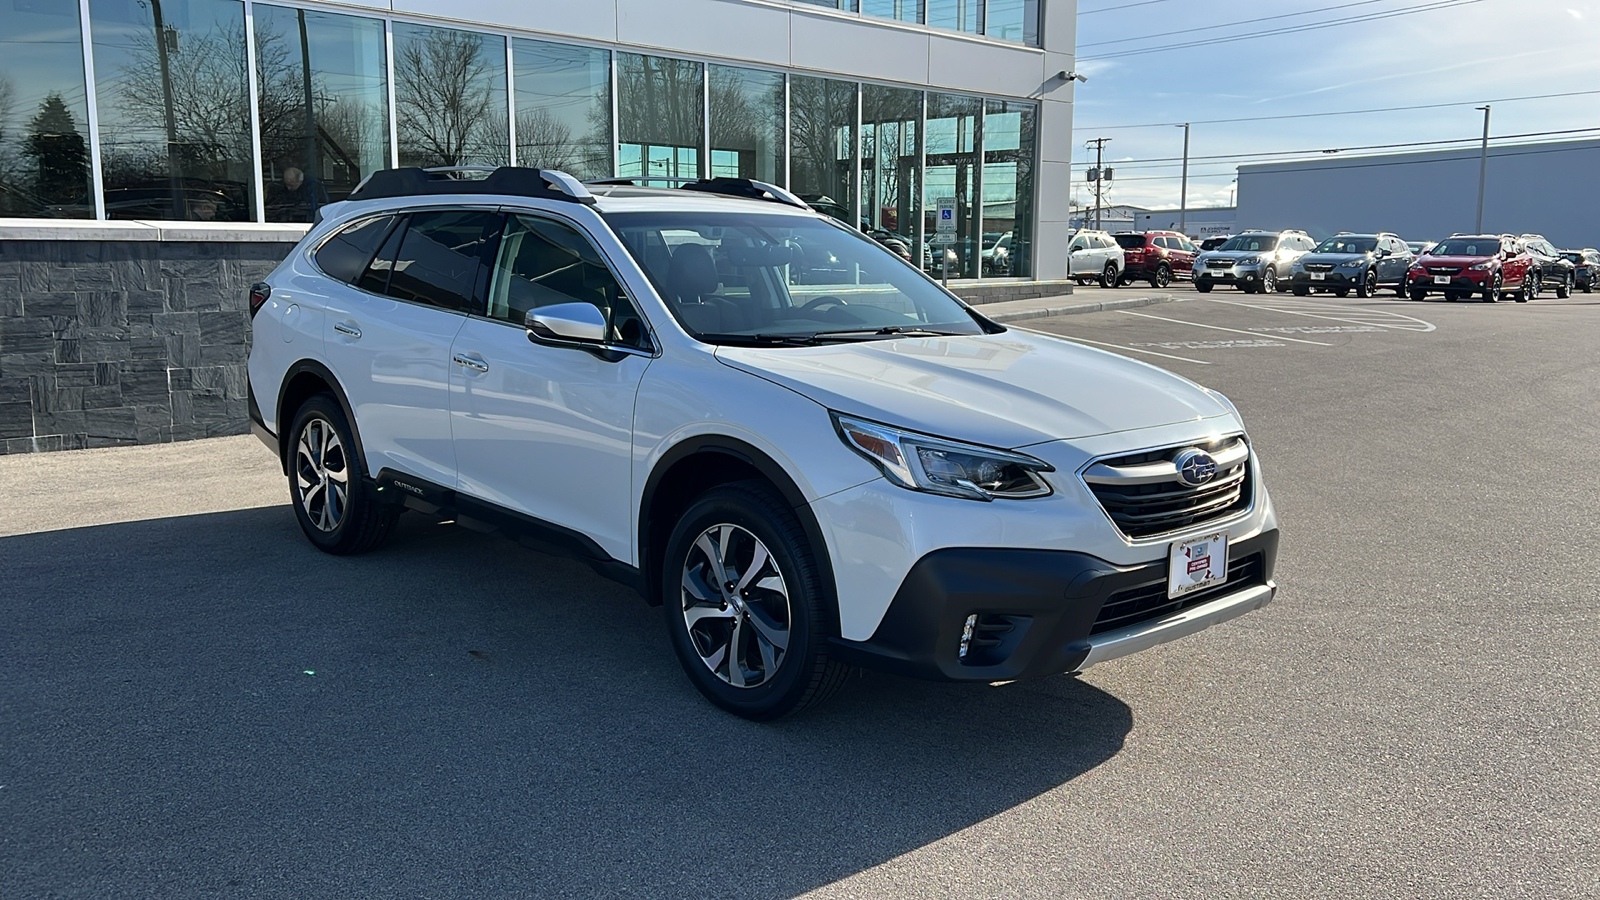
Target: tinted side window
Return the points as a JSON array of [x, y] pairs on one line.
[[543, 262], [439, 257], [345, 255], [375, 277]]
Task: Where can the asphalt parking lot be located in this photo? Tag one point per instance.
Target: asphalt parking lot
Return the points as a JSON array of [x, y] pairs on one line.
[[193, 702]]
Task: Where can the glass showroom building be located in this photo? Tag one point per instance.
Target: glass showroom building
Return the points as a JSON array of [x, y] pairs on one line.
[[251, 112]]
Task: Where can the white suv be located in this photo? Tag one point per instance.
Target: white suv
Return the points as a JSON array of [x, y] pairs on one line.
[[807, 451], [1095, 255]]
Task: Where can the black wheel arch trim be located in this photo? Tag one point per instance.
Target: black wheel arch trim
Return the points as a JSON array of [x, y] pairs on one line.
[[768, 468], [326, 375]]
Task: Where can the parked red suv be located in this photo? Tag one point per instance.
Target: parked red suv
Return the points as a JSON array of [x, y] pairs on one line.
[[1156, 257], [1488, 265]]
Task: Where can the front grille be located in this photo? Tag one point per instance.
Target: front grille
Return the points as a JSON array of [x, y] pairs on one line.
[[1144, 496], [1319, 267], [1146, 602], [1220, 263], [1444, 270]]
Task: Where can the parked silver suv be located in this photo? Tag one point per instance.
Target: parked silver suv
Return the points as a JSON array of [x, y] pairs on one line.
[[1253, 261], [1095, 255]]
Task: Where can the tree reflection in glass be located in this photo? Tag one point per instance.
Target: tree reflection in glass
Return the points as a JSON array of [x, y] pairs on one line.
[[323, 101], [563, 97], [44, 133], [660, 116], [450, 97], [173, 100]]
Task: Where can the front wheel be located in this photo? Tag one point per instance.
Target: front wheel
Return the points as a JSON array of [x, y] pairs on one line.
[[1491, 290], [1269, 281], [744, 604], [1402, 286], [1108, 276], [1202, 287], [1564, 289], [326, 479], [1162, 276], [1368, 285]]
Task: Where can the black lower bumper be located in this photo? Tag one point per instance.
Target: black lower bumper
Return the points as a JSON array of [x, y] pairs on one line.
[[1037, 609]]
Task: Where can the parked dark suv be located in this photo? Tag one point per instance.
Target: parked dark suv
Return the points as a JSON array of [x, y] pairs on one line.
[[1354, 262], [1555, 270], [1253, 261], [1586, 266], [1157, 257]]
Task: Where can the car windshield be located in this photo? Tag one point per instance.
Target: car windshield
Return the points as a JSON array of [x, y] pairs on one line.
[[1348, 245], [1256, 243], [1466, 247], [1130, 241], [771, 279], [1575, 257]]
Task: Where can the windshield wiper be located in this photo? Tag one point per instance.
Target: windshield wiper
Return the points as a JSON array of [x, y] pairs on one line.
[[888, 329]]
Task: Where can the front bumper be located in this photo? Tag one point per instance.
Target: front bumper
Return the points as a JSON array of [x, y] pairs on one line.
[[1046, 612], [1229, 275], [1465, 280], [1338, 279]]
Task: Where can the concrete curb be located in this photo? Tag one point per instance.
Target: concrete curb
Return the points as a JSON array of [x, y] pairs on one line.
[[1069, 309]]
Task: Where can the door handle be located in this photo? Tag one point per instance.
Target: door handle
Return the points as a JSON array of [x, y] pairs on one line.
[[467, 362], [347, 330]]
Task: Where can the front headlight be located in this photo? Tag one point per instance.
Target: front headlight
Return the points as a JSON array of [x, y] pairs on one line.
[[1248, 260], [1353, 263], [1481, 267], [922, 463]]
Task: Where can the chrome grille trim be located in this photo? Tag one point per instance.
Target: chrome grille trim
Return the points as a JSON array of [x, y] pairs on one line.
[[1143, 497]]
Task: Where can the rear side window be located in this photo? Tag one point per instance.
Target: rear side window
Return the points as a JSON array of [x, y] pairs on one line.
[[440, 257], [345, 255]]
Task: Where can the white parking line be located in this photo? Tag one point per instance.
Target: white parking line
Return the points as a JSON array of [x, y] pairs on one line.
[[1218, 328], [1407, 323], [1079, 340]]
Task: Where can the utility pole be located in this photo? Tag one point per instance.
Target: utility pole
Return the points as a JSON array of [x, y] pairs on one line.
[[1183, 197], [1099, 174], [1483, 166]]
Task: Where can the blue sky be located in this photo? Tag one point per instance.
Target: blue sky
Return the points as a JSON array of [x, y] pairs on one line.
[[1465, 51]]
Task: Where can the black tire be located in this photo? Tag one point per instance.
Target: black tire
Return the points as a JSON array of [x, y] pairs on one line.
[[1524, 293], [1108, 276], [1403, 286], [1491, 289], [1342, 292], [1301, 291], [1368, 285], [1161, 277], [1202, 287], [1419, 296], [321, 447], [804, 674], [1564, 289], [1587, 287], [1531, 285], [1269, 281]]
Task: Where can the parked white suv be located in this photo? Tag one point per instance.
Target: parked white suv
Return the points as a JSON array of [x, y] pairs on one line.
[[1095, 255], [807, 451]]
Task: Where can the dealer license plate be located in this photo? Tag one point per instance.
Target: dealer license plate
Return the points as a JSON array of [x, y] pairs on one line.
[[1317, 276], [1441, 279], [1197, 564]]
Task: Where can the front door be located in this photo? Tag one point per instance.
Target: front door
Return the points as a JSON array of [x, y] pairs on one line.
[[548, 431]]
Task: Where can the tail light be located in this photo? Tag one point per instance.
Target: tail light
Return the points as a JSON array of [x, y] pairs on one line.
[[259, 292]]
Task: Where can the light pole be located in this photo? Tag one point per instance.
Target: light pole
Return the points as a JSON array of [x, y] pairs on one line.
[[1183, 197], [1483, 166]]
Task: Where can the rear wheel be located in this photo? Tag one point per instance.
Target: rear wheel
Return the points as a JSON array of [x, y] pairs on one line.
[[1564, 289], [1402, 286], [1524, 293], [327, 479], [1531, 285], [1162, 276], [1108, 276], [1587, 287], [744, 605]]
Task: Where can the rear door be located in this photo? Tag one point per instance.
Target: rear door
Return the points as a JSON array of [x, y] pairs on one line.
[[388, 341]]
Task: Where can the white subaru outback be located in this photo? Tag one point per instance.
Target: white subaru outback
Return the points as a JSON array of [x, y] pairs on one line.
[[807, 452]]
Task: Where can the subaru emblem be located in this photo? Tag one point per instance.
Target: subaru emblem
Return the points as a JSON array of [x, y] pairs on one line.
[[1195, 467]]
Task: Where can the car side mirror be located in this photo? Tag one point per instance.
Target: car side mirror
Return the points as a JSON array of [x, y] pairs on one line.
[[564, 324], [1077, 249]]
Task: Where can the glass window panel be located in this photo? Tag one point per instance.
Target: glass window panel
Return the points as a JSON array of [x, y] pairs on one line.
[[822, 147], [450, 97], [951, 158], [324, 107], [1013, 20], [958, 15], [563, 97], [44, 114], [660, 116], [746, 124], [346, 255], [173, 101], [439, 257], [1008, 172], [904, 10], [847, 5], [543, 263], [890, 178]]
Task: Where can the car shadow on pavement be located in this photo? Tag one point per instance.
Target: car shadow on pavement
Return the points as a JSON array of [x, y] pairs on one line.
[[206, 704]]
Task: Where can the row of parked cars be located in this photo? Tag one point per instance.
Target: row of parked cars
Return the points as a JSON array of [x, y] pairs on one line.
[[1490, 266]]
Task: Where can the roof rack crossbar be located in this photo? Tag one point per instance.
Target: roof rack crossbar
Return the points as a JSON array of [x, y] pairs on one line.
[[748, 188], [547, 184]]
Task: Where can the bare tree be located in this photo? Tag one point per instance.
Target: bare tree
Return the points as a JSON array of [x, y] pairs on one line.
[[545, 142], [444, 108], [209, 89]]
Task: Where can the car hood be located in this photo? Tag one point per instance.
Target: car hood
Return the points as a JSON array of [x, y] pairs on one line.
[[1452, 260], [1003, 390], [1232, 254], [1332, 258]]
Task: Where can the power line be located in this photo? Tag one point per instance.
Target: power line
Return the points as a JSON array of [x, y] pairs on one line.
[[1371, 165], [1162, 34], [1291, 29], [1348, 112], [1090, 12]]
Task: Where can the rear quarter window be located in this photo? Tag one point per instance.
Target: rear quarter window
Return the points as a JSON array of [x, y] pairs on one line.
[[345, 255]]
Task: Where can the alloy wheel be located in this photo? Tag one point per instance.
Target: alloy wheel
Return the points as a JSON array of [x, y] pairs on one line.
[[1269, 281], [322, 474], [735, 606]]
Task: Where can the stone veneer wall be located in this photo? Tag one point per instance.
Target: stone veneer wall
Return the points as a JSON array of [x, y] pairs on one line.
[[122, 333]]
